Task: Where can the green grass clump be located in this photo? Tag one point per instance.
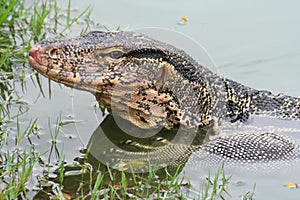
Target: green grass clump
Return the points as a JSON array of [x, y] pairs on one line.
[[216, 186], [17, 165], [108, 183]]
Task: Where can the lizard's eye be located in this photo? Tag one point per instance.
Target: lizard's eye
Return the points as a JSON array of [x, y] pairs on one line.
[[115, 54], [110, 55]]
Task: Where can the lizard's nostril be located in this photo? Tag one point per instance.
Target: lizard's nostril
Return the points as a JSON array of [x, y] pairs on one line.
[[53, 52]]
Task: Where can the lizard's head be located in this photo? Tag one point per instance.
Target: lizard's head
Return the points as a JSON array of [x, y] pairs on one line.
[[143, 68], [93, 60]]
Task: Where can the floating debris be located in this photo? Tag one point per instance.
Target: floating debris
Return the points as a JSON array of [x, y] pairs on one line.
[[36, 128], [291, 185], [182, 21]]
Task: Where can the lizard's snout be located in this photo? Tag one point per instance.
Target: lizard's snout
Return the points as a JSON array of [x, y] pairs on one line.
[[35, 55]]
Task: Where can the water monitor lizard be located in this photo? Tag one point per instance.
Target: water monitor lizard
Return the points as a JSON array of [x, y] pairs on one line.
[[155, 85]]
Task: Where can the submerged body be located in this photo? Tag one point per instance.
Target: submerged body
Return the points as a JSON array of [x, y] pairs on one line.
[[155, 85]]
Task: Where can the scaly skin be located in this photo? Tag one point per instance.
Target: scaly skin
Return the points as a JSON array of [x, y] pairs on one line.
[[153, 84]]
